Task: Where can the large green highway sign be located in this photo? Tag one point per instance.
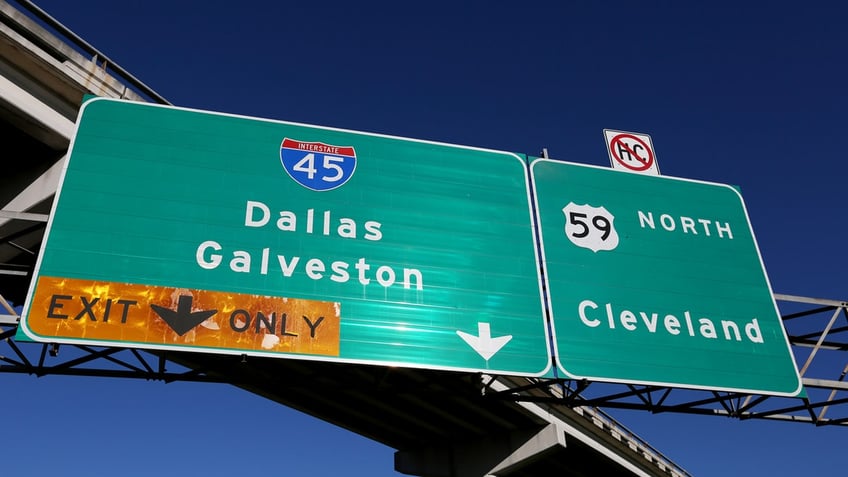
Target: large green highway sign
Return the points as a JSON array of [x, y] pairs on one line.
[[654, 280], [200, 231], [190, 230]]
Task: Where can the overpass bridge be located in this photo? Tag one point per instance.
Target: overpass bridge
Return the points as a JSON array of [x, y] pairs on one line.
[[441, 423]]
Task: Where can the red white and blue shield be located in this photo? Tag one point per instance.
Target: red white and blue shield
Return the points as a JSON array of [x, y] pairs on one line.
[[316, 165]]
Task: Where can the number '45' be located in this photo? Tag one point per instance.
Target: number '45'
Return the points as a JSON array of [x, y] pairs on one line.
[[331, 171]]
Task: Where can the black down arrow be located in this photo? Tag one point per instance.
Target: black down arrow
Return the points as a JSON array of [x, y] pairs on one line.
[[183, 320]]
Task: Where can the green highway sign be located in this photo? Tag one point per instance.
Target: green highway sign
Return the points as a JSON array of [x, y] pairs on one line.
[[191, 230], [656, 280]]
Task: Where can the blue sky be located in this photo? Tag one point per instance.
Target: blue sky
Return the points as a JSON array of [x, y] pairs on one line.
[[751, 95]]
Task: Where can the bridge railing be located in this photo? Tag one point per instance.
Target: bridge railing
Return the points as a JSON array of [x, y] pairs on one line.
[[68, 37]]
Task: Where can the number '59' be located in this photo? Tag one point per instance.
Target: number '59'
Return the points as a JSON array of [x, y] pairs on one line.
[[582, 222]]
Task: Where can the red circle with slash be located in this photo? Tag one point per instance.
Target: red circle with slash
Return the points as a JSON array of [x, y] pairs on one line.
[[642, 163]]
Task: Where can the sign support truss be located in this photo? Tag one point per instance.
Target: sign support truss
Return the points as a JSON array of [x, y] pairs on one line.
[[817, 330], [42, 359], [818, 333]]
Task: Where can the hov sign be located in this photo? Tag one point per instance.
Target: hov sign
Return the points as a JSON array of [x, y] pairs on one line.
[[631, 152], [199, 231], [657, 281]]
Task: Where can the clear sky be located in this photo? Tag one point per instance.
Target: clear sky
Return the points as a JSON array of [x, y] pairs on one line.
[[744, 93]]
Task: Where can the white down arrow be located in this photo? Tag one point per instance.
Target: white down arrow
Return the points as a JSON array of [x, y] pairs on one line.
[[484, 344]]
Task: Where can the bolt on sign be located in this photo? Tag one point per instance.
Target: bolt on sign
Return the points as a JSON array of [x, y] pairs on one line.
[[198, 231], [657, 280]]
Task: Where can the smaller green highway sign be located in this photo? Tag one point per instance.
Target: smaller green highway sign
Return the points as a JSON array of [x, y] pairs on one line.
[[656, 280], [199, 231]]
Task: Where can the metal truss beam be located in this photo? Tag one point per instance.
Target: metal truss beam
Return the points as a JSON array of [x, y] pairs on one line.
[[817, 333], [818, 344], [42, 359]]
